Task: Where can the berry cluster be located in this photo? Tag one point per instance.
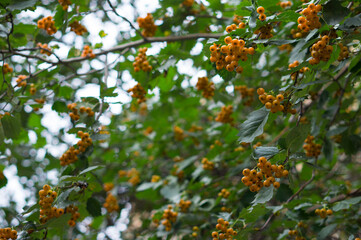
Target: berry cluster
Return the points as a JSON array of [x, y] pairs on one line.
[[233, 27], [169, 217], [225, 231], [178, 173], [297, 33], [237, 19], [272, 102], [74, 214], [32, 89], [111, 203], [323, 212], [148, 24], [286, 47], [70, 156], [77, 28], [184, 205], [294, 75], [178, 133], [188, 3], [268, 171], [344, 52], [285, 4], [44, 49], [227, 56], [195, 231], [225, 209], [8, 233], [309, 20], [138, 92], [7, 68], [206, 86], [216, 142], [48, 24], [260, 11], [47, 198], [140, 62], [207, 165], [296, 233], [64, 4], [133, 176], [265, 32], [321, 51], [245, 93], [312, 149], [224, 193], [225, 115], [108, 186], [21, 81], [87, 52], [195, 128], [74, 115], [155, 178]]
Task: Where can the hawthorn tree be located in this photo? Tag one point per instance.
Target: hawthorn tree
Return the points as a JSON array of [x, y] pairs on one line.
[[243, 120]]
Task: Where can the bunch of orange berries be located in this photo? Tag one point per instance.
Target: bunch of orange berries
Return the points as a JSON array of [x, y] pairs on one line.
[[265, 32], [87, 52], [64, 4], [321, 51], [205, 85], [245, 93], [169, 217], [138, 92], [47, 198], [178, 133], [188, 3], [285, 4], [296, 233], [344, 52], [195, 231], [312, 149], [140, 62], [267, 171], [294, 75], [297, 33], [48, 24], [207, 165], [21, 82], [225, 231], [32, 89], [148, 24], [225, 115], [44, 49], [8, 233], [224, 193], [108, 186], [70, 156], [286, 47], [309, 20], [260, 11], [184, 205], [216, 142], [74, 115], [77, 28], [227, 56], [133, 175], [111, 203], [7, 68], [155, 178], [237, 19], [178, 173], [272, 102], [74, 214], [233, 26], [323, 212]]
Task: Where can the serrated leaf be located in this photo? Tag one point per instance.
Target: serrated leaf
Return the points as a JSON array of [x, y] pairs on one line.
[[263, 196], [334, 12], [266, 152], [11, 126], [326, 231], [297, 136], [253, 126]]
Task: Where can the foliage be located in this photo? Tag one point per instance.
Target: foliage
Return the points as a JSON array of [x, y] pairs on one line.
[[155, 147]]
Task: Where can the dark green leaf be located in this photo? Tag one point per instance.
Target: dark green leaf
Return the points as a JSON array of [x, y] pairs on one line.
[[253, 126]]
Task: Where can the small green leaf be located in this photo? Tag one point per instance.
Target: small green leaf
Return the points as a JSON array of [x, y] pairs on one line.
[[253, 126], [102, 34], [263, 196], [266, 152], [93, 206], [89, 169], [326, 231], [297, 136]]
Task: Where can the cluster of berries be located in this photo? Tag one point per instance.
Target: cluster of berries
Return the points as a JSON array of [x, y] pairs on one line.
[[297, 33], [206, 86], [225, 231], [195, 231], [225, 115], [74, 214], [272, 102], [32, 89], [323, 212], [286, 47], [148, 24], [195, 128], [227, 56], [169, 217], [216, 142], [207, 165], [178, 173], [140, 61], [294, 75], [321, 51], [77, 28], [70, 156], [64, 4], [38, 100], [111, 203], [344, 52], [312, 149], [224, 193], [285, 4], [8, 233], [260, 11], [74, 115], [48, 24], [178, 133], [267, 171], [246, 93], [309, 20], [21, 81], [47, 198], [44, 48], [155, 178], [184, 205], [237, 19], [87, 52], [296, 233], [108, 186], [7, 68], [233, 27], [138, 92], [188, 3], [133, 175], [265, 32]]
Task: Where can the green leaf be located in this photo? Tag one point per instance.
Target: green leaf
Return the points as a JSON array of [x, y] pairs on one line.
[[253, 213], [297, 136], [102, 34], [326, 231], [21, 4], [266, 152], [253, 126], [94, 207], [11, 126], [90, 169], [334, 12], [171, 192], [3, 182], [145, 186], [352, 22], [263, 196], [346, 204]]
